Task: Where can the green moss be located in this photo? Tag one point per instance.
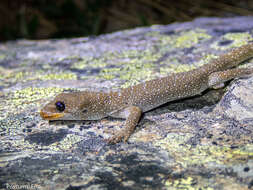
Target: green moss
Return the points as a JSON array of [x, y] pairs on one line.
[[238, 39]]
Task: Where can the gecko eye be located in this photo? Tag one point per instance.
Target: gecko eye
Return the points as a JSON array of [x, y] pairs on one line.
[[60, 106]]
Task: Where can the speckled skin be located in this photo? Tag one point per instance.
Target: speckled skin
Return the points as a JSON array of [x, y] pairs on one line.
[[130, 103]]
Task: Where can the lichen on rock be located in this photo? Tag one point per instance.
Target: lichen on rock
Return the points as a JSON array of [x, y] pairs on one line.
[[202, 142]]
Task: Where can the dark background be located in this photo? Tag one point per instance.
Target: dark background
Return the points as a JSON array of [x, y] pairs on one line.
[[40, 19]]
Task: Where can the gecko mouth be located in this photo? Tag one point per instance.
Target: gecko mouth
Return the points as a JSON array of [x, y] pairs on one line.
[[51, 116]]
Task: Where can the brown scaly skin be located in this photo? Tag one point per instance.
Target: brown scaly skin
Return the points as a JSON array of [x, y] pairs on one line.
[[130, 103]]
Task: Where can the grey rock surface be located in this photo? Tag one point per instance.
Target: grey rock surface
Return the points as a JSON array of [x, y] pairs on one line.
[[202, 142]]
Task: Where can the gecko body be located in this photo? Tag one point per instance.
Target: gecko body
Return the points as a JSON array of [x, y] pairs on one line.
[[129, 103]]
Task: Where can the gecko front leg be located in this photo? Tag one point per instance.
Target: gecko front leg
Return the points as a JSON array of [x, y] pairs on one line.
[[132, 115]]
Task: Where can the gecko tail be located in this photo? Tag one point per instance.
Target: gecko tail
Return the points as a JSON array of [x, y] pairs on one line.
[[230, 59]]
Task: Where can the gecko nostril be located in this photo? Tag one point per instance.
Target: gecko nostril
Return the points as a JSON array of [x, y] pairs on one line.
[[60, 106]]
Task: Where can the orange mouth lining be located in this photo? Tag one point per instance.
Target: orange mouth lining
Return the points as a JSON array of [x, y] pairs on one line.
[[51, 116]]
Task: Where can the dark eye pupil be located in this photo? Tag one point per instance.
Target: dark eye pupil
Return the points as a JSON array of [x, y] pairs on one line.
[[60, 106]]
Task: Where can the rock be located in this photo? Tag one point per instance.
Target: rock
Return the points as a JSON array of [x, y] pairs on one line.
[[200, 142]]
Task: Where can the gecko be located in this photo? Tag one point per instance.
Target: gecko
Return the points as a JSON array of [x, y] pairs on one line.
[[130, 103]]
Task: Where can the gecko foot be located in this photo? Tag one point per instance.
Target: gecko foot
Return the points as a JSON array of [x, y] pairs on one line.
[[119, 136]]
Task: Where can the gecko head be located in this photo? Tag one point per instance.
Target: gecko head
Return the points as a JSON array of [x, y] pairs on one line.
[[68, 106]]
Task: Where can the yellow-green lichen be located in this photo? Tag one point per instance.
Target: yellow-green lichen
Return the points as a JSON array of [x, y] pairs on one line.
[[246, 150], [131, 66], [46, 66], [22, 144], [64, 145], [2, 56], [134, 73], [136, 77], [90, 62], [24, 76], [166, 70], [31, 94], [109, 73], [133, 56], [59, 76], [81, 64], [205, 59], [237, 39], [174, 67], [135, 67], [19, 100], [189, 38], [186, 155], [185, 39], [4, 72], [189, 183], [69, 58], [178, 68]]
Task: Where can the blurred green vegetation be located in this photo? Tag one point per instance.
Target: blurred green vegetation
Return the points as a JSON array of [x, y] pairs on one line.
[[40, 19]]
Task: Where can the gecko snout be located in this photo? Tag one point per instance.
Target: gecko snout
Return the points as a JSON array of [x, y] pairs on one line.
[[50, 116]]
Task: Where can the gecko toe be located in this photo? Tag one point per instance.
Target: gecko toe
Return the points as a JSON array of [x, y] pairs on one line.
[[118, 137], [113, 140], [126, 137]]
